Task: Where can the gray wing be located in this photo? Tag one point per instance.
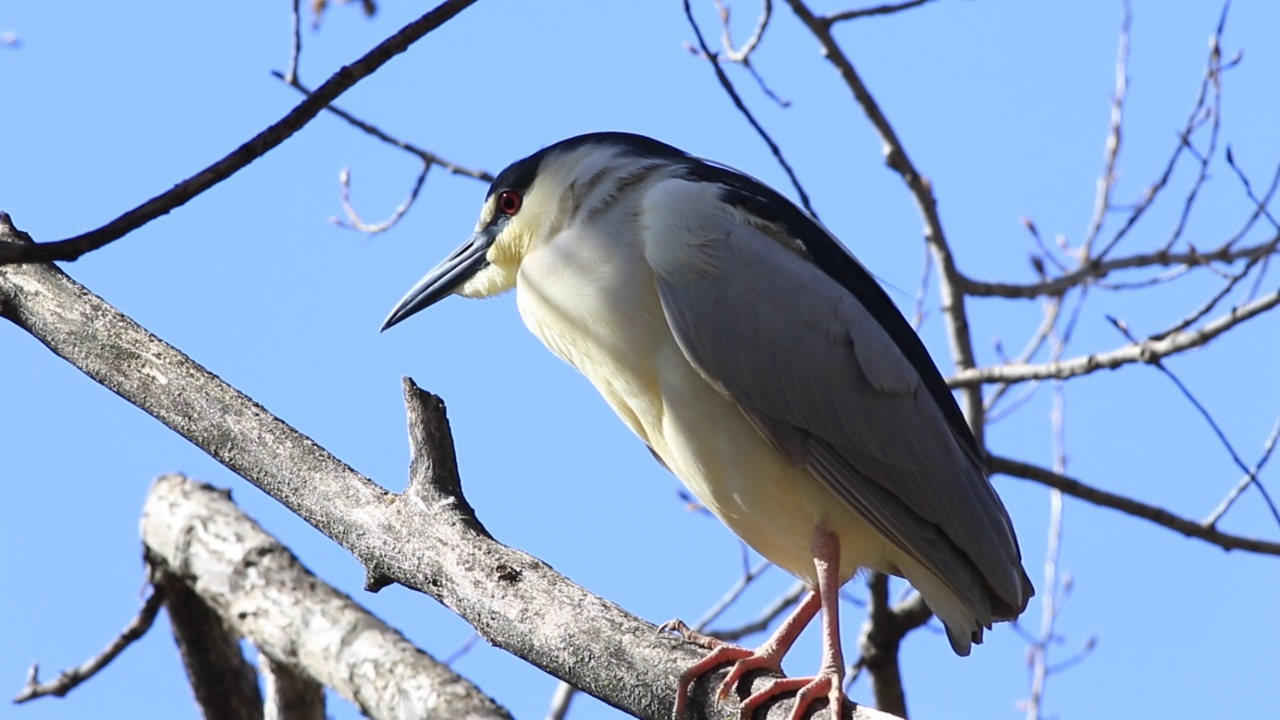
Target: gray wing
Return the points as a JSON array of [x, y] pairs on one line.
[[827, 386]]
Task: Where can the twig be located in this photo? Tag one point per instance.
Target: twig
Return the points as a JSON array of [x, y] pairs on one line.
[[295, 48], [1195, 119], [256, 147], [781, 604], [1225, 253], [1208, 417], [354, 222], [887, 9], [1106, 181], [922, 291], [560, 701], [1075, 488], [67, 680], [1149, 350], [425, 155], [1249, 478], [742, 108], [462, 649], [731, 596]]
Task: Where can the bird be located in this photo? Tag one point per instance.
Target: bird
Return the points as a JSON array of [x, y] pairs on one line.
[[765, 367]]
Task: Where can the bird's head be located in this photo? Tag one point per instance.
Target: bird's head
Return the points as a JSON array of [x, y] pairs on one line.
[[529, 202]]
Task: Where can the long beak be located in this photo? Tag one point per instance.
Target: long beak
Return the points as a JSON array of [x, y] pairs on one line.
[[444, 278]]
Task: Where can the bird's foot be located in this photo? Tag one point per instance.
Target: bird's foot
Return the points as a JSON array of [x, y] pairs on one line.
[[828, 682], [689, 635], [720, 654]]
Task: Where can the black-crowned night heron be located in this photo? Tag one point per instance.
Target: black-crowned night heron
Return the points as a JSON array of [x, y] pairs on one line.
[[763, 365]]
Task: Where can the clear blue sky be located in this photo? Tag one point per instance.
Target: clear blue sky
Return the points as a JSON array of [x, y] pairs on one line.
[[1003, 104]]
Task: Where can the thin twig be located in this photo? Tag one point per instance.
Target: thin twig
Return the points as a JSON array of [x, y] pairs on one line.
[[425, 155], [1208, 417], [773, 611], [1106, 181], [1249, 478], [887, 9], [1195, 119], [742, 108], [295, 48], [354, 222], [67, 680]]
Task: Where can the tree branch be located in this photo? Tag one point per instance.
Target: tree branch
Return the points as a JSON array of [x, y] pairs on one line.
[[1148, 351], [265, 595], [1159, 516], [67, 680], [256, 147], [431, 547]]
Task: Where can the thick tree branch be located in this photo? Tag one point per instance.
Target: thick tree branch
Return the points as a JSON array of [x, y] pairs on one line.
[[265, 595], [225, 685], [881, 639], [256, 147], [1159, 516], [430, 547], [291, 695]]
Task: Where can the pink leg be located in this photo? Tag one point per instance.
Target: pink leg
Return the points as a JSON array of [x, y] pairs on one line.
[[829, 680]]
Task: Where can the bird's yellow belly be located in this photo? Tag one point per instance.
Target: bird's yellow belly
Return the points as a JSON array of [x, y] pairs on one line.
[[701, 435]]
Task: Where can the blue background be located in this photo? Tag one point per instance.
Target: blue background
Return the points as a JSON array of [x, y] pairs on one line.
[[1004, 105]]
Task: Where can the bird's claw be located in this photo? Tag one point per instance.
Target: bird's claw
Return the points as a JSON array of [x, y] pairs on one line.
[[689, 635], [808, 691], [724, 652]]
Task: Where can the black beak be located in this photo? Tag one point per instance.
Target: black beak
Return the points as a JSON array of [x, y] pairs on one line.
[[444, 278]]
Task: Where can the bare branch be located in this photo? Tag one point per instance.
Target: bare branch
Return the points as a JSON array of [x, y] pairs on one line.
[[1106, 181], [887, 9], [1250, 477], [354, 221], [262, 593], [1147, 351], [424, 155], [256, 147], [1204, 413], [67, 680], [295, 48], [1016, 468], [742, 108], [773, 611], [1226, 253]]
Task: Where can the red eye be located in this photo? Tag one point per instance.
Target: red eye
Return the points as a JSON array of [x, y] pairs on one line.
[[509, 202]]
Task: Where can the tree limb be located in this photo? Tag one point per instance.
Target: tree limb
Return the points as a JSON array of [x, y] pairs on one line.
[[1159, 516], [265, 595], [434, 547], [256, 147], [1147, 351]]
